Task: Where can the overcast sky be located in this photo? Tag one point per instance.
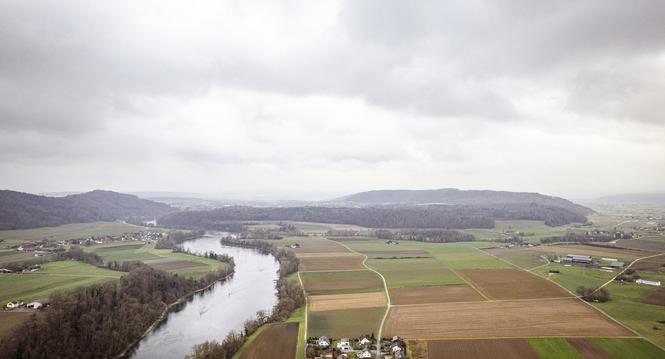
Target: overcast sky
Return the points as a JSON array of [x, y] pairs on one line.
[[317, 98]]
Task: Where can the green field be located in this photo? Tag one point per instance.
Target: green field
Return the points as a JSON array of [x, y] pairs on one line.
[[347, 323], [68, 231], [628, 348], [341, 282], [62, 275], [574, 276], [526, 258], [554, 348], [414, 272]]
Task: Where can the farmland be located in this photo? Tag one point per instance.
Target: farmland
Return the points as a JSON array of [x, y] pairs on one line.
[[510, 284], [278, 341], [554, 317], [345, 323], [480, 348], [331, 263], [433, 294], [319, 303], [54, 276], [341, 282]]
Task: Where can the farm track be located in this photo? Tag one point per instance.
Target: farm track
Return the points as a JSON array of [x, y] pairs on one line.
[[385, 288]]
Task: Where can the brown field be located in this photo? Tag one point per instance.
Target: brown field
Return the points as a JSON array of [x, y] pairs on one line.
[[590, 251], [656, 298], [481, 348], [170, 264], [650, 264], [496, 319], [331, 263], [321, 246], [277, 341], [434, 294], [404, 253], [508, 283], [645, 245], [346, 301], [587, 348]]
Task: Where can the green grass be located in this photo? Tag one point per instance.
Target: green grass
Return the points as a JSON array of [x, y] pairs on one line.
[[628, 348], [64, 232], [626, 307], [554, 348], [526, 259], [370, 281], [298, 315], [414, 272], [345, 323], [54, 276], [575, 276]]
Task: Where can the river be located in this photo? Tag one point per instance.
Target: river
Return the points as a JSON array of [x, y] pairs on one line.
[[212, 314]]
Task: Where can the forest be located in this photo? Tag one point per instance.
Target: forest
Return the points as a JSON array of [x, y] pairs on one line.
[[433, 216], [101, 321]]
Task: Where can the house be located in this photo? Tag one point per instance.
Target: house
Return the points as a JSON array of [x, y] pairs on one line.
[[364, 340], [294, 245], [648, 282], [395, 347], [617, 264], [344, 345], [323, 342], [400, 355], [365, 353], [576, 258], [15, 304], [37, 304]]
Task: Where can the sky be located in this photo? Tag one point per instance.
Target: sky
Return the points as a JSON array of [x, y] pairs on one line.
[[309, 99]]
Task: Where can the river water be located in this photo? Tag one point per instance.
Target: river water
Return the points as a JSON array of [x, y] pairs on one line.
[[212, 314]]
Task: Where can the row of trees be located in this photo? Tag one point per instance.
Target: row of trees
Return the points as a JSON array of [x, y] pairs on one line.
[[579, 238], [101, 321], [601, 295], [290, 297], [174, 238], [425, 235]]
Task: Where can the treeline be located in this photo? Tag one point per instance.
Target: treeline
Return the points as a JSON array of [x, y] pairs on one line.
[[578, 238], [174, 238], [290, 297], [103, 320], [373, 217], [426, 235], [433, 216], [601, 295]]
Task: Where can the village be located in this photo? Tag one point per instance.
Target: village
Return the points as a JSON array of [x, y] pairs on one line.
[[345, 348]]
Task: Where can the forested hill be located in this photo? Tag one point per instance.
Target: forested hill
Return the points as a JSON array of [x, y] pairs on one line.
[[453, 196], [23, 210], [435, 216]]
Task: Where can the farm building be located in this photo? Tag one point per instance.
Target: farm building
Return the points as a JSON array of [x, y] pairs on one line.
[[617, 264], [576, 258], [648, 282], [15, 304]]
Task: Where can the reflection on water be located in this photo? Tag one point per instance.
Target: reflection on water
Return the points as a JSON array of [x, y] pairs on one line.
[[212, 314]]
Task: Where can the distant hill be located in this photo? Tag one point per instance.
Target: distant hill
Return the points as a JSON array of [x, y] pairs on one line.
[[453, 196], [23, 210], [632, 198]]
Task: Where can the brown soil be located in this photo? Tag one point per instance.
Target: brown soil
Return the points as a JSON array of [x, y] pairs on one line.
[[657, 297], [511, 284], [346, 301], [642, 244], [587, 348], [331, 263], [277, 341], [514, 318], [435, 294], [650, 264], [481, 348]]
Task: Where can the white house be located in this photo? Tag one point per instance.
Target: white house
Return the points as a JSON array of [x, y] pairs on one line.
[[34, 305], [14, 304], [648, 282], [344, 345], [323, 342], [365, 353], [364, 341]]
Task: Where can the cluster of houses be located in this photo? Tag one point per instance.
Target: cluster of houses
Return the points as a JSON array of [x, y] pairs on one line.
[[12, 269], [40, 248], [589, 261], [18, 303], [322, 347], [145, 236]]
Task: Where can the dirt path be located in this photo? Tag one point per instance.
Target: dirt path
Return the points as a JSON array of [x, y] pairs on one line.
[[385, 288], [625, 269], [306, 306]]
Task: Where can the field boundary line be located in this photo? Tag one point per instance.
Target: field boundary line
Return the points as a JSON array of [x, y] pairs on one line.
[[385, 288], [471, 284], [306, 315], [485, 301], [585, 302]]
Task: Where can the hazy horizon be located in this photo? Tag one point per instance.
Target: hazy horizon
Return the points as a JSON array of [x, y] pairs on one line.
[[328, 99]]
